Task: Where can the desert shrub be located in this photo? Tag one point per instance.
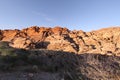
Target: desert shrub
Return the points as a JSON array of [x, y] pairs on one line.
[[33, 60], [22, 54], [8, 51], [33, 69], [5, 49], [7, 62], [99, 67], [11, 57], [70, 66], [5, 67], [4, 44]]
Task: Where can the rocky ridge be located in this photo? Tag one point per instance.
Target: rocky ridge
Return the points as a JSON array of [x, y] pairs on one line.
[[103, 41]]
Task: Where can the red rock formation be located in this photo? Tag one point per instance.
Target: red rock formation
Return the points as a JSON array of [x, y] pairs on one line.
[[102, 41], [8, 35], [58, 30]]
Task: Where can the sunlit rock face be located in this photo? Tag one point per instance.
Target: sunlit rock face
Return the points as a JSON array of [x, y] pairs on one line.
[[103, 41]]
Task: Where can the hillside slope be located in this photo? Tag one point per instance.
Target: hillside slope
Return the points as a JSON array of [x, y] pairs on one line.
[[42, 64]]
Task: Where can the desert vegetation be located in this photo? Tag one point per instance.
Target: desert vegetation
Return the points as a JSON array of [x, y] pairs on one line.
[[68, 65]]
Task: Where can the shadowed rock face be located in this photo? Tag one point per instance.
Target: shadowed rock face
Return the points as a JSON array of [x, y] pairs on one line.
[[104, 41]]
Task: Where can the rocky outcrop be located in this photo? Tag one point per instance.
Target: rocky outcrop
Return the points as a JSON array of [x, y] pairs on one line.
[[104, 41], [8, 35], [22, 42]]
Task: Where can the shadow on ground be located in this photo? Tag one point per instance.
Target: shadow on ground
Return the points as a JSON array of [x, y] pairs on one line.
[[62, 65]]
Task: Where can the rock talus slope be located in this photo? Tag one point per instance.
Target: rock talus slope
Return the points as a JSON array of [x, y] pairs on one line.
[[103, 41]]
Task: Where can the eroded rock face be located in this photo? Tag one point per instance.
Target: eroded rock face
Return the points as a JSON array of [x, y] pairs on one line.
[[104, 41], [21, 42], [8, 35], [63, 42]]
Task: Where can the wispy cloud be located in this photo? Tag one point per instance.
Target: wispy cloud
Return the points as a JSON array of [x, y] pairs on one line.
[[49, 19], [39, 13], [8, 26], [44, 16]]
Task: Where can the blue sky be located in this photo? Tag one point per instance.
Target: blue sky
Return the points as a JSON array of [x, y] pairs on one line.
[[84, 15]]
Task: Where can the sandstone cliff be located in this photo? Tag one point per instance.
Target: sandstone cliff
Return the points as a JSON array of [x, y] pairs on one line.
[[103, 41]]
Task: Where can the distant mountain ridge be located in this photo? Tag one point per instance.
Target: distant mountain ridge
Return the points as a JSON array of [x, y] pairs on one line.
[[103, 41]]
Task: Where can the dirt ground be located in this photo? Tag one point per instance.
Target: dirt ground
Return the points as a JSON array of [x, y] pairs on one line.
[[29, 76]]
